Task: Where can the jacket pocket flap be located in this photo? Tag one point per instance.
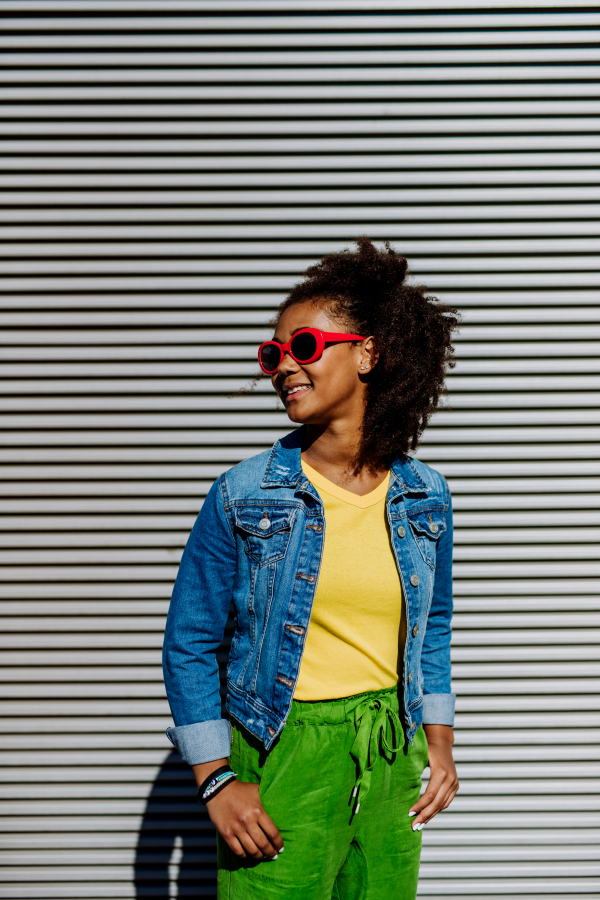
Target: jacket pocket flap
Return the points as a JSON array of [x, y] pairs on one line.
[[430, 523], [253, 520]]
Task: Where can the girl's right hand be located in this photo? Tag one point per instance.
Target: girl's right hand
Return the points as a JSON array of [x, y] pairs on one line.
[[240, 818]]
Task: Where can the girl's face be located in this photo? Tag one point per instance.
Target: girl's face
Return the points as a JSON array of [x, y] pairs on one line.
[[331, 388]]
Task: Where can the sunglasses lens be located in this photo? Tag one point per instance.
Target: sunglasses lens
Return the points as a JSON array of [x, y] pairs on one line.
[[304, 346], [270, 356]]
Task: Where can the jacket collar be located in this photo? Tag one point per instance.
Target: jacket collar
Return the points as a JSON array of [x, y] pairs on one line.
[[284, 467]]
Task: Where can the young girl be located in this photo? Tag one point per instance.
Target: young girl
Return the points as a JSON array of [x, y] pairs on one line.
[[336, 550]]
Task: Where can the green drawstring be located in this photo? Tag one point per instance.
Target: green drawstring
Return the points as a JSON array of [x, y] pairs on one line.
[[371, 719]]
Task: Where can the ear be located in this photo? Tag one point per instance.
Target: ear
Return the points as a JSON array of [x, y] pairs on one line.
[[369, 355]]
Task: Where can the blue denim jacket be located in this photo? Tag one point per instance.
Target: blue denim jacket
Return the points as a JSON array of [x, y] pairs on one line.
[[259, 541]]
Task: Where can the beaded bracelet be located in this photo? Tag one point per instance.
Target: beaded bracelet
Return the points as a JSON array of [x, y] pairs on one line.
[[215, 782]]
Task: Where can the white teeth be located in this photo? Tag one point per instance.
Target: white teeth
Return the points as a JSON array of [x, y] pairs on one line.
[[300, 387]]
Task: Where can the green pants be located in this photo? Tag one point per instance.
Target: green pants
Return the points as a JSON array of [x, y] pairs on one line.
[[338, 783]]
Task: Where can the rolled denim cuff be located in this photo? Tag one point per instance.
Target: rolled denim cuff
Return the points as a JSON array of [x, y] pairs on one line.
[[438, 709], [203, 741]]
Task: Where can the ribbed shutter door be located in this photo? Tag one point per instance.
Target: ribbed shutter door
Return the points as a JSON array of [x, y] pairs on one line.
[[167, 171]]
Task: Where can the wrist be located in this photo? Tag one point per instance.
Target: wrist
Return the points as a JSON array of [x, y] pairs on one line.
[[439, 734], [215, 783], [203, 770]]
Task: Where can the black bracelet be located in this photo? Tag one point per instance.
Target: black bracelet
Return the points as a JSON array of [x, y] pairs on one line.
[[215, 783]]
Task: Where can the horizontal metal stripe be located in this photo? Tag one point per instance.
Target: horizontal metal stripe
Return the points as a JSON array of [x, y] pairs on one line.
[[557, 125], [310, 197], [438, 456], [134, 703], [383, 213], [472, 303], [405, 109], [95, 50], [534, 551], [436, 281], [489, 840], [532, 74], [239, 321], [536, 695], [122, 623], [69, 856], [365, 24], [266, 400], [257, 45], [47, 90], [283, 253], [64, 725], [439, 235], [441, 419], [179, 504], [481, 589], [475, 695], [89, 677], [262, 6], [107, 590], [464, 804], [56, 827], [453, 471], [564, 611], [33, 691]]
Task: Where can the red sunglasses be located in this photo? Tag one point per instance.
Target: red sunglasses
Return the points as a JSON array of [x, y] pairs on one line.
[[305, 347]]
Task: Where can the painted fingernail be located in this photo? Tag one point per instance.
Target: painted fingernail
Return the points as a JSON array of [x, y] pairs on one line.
[[274, 857], [281, 851], [421, 825], [415, 827], [413, 812]]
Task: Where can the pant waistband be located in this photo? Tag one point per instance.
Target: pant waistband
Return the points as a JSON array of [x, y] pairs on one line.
[[339, 710]]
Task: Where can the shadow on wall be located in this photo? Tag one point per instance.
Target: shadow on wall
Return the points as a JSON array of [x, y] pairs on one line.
[[176, 853]]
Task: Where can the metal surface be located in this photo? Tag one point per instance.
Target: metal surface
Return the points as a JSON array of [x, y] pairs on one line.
[[167, 171]]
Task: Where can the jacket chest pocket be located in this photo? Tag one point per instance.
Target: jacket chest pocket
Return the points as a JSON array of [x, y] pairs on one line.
[[265, 532], [427, 527]]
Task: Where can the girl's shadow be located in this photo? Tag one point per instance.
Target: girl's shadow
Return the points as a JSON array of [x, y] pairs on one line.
[[176, 853]]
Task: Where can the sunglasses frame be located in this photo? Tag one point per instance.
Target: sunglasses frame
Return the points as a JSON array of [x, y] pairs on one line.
[[321, 338]]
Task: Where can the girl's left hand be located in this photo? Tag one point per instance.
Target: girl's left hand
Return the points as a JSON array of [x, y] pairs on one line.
[[443, 780]]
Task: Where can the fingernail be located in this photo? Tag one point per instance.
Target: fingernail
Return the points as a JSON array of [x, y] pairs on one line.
[[274, 857], [413, 812], [415, 827], [281, 851], [421, 825]]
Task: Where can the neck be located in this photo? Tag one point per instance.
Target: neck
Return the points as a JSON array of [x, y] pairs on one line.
[[332, 446]]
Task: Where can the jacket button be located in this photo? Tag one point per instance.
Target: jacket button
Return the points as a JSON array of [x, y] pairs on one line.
[[264, 524], [409, 679], [415, 631], [401, 531], [414, 580], [433, 528]]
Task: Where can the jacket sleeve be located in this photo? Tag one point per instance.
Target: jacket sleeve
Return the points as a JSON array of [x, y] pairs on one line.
[[195, 627], [438, 701]]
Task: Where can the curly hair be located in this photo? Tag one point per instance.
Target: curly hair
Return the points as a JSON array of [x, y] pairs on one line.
[[366, 291]]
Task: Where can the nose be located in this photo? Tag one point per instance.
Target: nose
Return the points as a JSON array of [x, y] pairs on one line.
[[287, 364]]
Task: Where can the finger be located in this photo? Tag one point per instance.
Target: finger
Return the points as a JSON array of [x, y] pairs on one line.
[[235, 846], [432, 808], [435, 783], [450, 796], [261, 840], [249, 845], [271, 830]]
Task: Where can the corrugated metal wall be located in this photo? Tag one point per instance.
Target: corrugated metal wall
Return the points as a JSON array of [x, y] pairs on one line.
[[168, 168]]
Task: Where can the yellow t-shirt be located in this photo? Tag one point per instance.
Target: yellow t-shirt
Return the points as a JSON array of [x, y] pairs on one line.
[[355, 640]]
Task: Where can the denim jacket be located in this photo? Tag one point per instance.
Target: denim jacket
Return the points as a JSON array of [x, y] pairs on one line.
[[258, 541]]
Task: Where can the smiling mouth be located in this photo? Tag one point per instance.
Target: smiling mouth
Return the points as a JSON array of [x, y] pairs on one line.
[[296, 392]]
